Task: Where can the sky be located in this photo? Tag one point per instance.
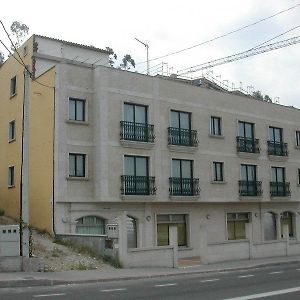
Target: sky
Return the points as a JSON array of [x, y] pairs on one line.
[[171, 25]]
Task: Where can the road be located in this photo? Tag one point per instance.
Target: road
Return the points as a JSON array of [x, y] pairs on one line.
[[274, 283]]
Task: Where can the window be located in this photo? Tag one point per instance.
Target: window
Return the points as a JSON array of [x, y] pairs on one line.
[[77, 165], [278, 185], [182, 168], [276, 146], [180, 119], [131, 226], [13, 86], [90, 225], [299, 176], [11, 176], [12, 130], [163, 224], [270, 228], [287, 218], [76, 109], [218, 171], [275, 134], [215, 126], [298, 138], [245, 140], [246, 130], [135, 113], [136, 179], [249, 186], [236, 228]]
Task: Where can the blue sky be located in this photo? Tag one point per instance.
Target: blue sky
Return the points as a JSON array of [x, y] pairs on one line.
[[173, 25]]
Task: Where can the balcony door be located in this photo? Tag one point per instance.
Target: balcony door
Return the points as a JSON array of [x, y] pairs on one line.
[[248, 176], [246, 142]]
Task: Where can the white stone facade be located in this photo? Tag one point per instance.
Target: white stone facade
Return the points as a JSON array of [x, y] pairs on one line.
[[105, 90]]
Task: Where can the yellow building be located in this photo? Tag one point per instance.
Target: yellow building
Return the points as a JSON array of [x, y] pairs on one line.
[[41, 55]]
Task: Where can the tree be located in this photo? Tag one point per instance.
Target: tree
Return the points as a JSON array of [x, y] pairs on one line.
[[257, 95], [1, 58], [127, 61], [112, 56], [267, 98], [19, 32]]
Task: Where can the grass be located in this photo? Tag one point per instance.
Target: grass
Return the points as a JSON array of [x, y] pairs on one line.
[[87, 251], [80, 267]]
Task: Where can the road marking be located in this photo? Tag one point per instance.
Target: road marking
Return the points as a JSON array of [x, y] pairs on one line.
[[276, 272], [210, 280], [245, 276], [297, 269], [48, 295], [267, 294], [113, 290], [167, 284]]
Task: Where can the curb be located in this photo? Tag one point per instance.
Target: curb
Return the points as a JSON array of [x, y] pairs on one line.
[[186, 271]]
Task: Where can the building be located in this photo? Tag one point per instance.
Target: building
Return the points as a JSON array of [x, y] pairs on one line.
[[166, 151]]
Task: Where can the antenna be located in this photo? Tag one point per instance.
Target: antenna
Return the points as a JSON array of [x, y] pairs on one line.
[[147, 49]]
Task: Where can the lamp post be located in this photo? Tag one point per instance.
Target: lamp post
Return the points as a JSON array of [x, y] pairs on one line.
[[147, 49]]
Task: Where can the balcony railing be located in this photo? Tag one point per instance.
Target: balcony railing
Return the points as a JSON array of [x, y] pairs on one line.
[[138, 185], [250, 188], [249, 145], [277, 148], [280, 189], [182, 137], [184, 186], [139, 132]]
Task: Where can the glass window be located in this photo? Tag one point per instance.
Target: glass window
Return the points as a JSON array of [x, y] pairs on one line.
[[182, 168], [12, 130], [180, 119], [136, 165], [13, 86], [297, 138], [246, 130], [298, 176], [275, 134], [77, 165], [236, 229], [270, 230], [163, 224], [76, 109], [90, 225], [215, 126], [287, 218], [131, 224], [218, 171], [135, 113], [11, 176], [248, 172], [278, 174]]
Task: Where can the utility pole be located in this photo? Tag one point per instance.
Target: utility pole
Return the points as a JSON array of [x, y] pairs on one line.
[[25, 170], [147, 49]]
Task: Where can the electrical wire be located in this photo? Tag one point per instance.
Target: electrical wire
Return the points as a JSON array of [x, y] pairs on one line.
[[223, 35]]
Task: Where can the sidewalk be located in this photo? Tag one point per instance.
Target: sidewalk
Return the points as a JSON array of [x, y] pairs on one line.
[[21, 279]]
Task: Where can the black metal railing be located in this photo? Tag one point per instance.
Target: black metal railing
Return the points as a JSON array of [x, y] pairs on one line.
[[250, 188], [249, 145], [139, 132], [277, 148], [182, 137], [138, 185], [184, 186], [280, 189]]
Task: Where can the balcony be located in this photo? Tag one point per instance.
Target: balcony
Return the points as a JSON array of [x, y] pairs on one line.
[[250, 188], [280, 189], [137, 185], [138, 132], [184, 186], [277, 148], [248, 145], [182, 137]]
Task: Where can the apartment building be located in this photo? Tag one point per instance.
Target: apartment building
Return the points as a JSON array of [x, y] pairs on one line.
[[166, 151]]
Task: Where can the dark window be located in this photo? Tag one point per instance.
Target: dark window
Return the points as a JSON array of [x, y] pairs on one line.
[[76, 109], [163, 224], [13, 86], [246, 130], [215, 126], [11, 176], [77, 165], [248, 172], [180, 119], [236, 225], [218, 171], [12, 130], [287, 218], [135, 113], [278, 174], [297, 138], [182, 168], [275, 134], [298, 176]]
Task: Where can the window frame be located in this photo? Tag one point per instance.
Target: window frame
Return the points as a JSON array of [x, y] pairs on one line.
[[85, 164], [219, 126], [11, 180], [13, 86], [12, 131], [134, 157], [297, 138], [283, 174], [134, 105], [84, 110], [272, 129], [215, 172], [245, 220], [179, 112], [181, 160]]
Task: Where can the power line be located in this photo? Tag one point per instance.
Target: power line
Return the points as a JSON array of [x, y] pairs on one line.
[[223, 35]]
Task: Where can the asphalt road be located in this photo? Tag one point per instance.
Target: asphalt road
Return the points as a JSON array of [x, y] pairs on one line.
[[274, 283]]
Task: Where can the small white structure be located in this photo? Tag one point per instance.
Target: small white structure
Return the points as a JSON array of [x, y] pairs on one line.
[[9, 240]]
